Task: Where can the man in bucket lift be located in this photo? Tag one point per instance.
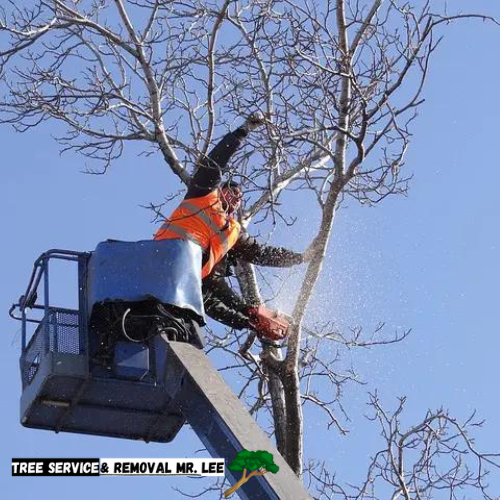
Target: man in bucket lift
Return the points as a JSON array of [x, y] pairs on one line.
[[205, 216]]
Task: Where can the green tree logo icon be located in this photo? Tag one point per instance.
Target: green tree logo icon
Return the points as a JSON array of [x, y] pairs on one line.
[[259, 462]]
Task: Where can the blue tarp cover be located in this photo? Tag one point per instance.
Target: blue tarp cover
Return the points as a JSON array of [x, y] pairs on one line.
[[168, 270]]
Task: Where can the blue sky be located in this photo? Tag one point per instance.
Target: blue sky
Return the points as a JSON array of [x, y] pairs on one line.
[[428, 261]]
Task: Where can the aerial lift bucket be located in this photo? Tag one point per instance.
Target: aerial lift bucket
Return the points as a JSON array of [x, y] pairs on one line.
[[148, 392]]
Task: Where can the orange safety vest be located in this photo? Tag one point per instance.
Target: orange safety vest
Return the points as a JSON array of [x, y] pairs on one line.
[[203, 221]]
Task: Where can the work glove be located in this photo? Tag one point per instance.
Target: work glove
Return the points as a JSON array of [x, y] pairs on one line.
[[263, 327], [254, 121], [253, 316]]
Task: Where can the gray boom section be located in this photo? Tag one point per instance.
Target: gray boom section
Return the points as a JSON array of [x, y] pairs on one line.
[[224, 425]]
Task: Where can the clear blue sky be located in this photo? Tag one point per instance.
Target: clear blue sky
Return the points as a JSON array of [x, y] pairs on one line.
[[429, 262]]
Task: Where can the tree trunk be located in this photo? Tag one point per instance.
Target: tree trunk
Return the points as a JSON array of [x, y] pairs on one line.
[[250, 290], [278, 402], [294, 421]]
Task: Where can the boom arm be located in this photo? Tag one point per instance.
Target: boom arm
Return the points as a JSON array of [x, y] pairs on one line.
[[225, 426]]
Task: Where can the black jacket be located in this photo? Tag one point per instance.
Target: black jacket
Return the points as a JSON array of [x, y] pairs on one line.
[[221, 302]]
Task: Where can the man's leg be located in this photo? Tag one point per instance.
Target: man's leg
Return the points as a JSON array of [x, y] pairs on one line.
[[177, 325]]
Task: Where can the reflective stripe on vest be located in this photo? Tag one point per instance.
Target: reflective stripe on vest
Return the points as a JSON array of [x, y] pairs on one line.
[[195, 211], [180, 231], [196, 219]]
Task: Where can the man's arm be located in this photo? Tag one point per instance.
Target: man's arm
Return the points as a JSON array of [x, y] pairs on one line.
[[249, 250], [223, 304], [208, 176], [209, 173]]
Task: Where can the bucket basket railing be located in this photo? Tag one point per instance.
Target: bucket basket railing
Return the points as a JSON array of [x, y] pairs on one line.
[[58, 329]]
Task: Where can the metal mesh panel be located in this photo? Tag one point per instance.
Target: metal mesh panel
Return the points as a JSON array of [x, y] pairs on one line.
[[33, 354], [32, 368], [64, 337]]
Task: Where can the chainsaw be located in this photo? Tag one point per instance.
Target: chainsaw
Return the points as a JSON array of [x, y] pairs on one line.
[[269, 326]]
